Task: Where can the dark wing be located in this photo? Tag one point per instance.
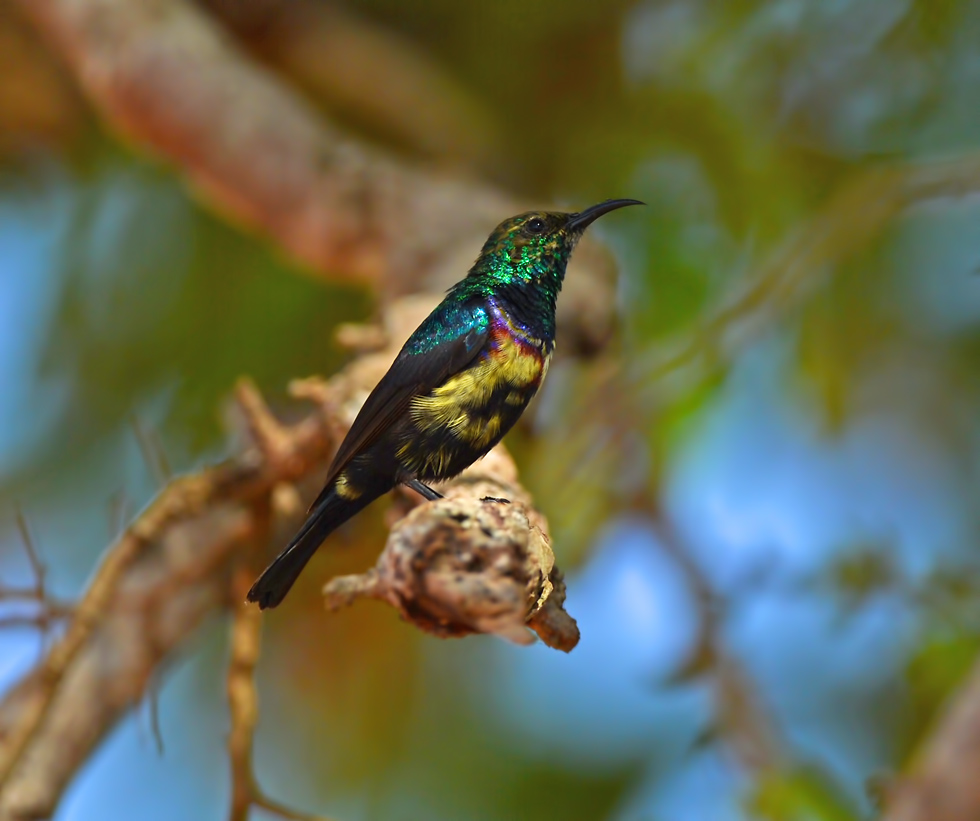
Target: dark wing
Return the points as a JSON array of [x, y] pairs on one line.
[[410, 375]]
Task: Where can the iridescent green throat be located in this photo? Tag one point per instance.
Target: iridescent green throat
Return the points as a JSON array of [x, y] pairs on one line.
[[522, 274]]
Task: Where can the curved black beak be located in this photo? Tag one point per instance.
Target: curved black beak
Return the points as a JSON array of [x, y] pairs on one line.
[[581, 221]]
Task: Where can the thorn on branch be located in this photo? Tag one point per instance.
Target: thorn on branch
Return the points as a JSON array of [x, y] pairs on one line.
[[268, 435], [119, 513], [38, 569], [48, 611], [152, 450], [319, 392], [153, 708]]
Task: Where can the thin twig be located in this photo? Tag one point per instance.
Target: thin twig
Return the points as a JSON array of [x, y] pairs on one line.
[[21, 594], [246, 630], [740, 718], [50, 611], [119, 513], [153, 709], [37, 566], [35, 621], [151, 449]]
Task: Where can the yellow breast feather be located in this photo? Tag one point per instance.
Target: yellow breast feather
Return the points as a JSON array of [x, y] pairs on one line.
[[508, 365]]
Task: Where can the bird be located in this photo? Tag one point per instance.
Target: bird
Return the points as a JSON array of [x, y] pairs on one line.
[[459, 383]]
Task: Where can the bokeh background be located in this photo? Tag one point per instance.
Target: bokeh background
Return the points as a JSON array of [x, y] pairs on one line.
[[770, 546]]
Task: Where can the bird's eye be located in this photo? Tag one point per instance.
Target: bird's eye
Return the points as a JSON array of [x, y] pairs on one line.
[[535, 225]]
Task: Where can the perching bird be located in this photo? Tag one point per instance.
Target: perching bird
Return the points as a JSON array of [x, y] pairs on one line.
[[458, 385]]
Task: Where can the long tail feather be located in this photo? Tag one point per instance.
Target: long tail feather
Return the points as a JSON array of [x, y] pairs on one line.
[[329, 514]]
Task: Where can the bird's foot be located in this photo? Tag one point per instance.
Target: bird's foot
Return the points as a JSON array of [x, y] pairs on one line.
[[423, 489]]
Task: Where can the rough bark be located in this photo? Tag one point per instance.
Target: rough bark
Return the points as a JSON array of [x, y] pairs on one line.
[[174, 565]]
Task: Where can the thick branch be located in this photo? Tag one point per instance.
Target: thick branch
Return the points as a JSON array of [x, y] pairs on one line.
[[167, 572], [477, 561], [140, 608], [367, 72], [163, 73]]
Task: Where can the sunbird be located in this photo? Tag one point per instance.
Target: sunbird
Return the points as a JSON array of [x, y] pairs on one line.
[[458, 385]]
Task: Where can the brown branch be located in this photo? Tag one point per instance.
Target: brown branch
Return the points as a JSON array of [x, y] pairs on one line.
[[943, 785], [160, 71], [368, 73], [246, 630], [47, 610], [151, 591], [166, 572], [163, 73], [243, 705], [156, 583], [35, 621], [477, 561], [38, 570]]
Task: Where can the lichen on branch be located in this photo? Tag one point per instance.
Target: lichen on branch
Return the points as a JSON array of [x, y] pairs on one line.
[[477, 561]]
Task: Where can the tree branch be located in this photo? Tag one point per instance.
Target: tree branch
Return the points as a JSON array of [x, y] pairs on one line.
[[368, 73], [943, 785], [164, 74], [477, 561], [172, 567], [243, 705], [47, 611], [164, 574]]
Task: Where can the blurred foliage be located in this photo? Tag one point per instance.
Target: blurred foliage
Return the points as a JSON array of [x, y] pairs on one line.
[[735, 122], [798, 796], [159, 305]]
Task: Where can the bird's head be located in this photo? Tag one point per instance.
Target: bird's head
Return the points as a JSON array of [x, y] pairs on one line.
[[534, 248]]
